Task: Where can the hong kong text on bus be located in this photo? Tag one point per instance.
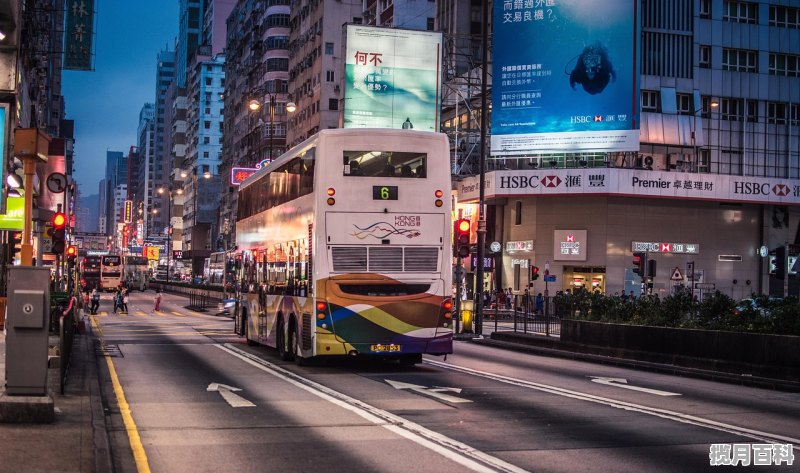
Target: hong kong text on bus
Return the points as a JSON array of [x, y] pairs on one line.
[[342, 247]]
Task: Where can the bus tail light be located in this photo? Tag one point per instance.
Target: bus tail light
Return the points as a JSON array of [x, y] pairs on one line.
[[447, 306], [331, 191], [438, 193], [322, 309], [331, 201]]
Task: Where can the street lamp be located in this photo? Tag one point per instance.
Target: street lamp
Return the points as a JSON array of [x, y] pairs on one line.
[[254, 105], [170, 203], [712, 104]]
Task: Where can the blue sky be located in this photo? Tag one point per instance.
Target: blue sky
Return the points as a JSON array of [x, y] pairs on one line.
[[105, 103]]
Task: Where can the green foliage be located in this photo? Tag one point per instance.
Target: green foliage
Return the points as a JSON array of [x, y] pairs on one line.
[[716, 312]]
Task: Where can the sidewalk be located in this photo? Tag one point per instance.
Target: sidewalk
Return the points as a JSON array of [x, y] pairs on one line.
[[77, 441]]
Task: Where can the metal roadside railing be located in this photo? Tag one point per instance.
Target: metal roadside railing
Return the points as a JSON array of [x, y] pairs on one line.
[[199, 299], [526, 316]]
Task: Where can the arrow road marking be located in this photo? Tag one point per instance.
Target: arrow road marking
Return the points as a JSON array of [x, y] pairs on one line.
[[227, 393], [623, 383], [437, 392]]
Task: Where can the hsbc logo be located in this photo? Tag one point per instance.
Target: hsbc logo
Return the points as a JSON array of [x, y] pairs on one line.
[[570, 238], [781, 190], [598, 118], [666, 248], [551, 181]]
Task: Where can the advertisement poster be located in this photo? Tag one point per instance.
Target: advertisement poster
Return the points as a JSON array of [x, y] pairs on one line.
[[565, 76], [392, 78]]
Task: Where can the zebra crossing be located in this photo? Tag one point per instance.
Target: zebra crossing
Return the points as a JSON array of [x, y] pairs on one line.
[[151, 313]]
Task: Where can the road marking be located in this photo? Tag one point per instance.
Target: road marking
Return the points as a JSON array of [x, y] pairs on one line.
[[449, 448], [139, 455], [227, 393], [436, 392], [623, 383], [178, 314], [628, 406]]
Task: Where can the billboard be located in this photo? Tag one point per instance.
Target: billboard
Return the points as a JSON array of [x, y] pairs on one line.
[[79, 35], [14, 216], [392, 78], [565, 76]]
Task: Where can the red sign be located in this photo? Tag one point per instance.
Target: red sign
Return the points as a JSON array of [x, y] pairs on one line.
[[238, 175]]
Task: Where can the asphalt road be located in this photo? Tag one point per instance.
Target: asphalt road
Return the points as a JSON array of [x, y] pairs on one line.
[[198, 399]]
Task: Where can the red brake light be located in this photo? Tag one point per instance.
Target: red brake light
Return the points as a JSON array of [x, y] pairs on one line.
[[438, 193], [448, 304], [321, 305], [331, 191]]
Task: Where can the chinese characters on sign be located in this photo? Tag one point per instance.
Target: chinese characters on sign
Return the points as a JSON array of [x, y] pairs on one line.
[[659, 247], [755, 454], [238, 175], [524, 245], [79, 35], [569, 245]]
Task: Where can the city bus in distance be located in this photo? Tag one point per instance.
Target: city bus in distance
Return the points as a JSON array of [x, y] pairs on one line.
[[110, 272], [343, 247], [90, 273], [216, 267], [134, 270]]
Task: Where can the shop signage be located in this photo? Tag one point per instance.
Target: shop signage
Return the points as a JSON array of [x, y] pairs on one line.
[[666, 247], [522, 263], [569, 245], [238, 175], [632, 182], [524, 245], [488, 263], [550, 278]]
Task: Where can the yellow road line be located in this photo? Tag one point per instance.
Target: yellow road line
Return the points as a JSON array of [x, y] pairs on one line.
[[139, 455], [178, 314], [103, 314]]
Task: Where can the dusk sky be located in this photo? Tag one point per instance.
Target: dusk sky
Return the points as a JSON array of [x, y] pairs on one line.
[[105, 103]]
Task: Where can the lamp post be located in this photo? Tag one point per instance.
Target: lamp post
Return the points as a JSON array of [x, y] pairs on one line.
[[712, 104], [170, 203], [255, 105]]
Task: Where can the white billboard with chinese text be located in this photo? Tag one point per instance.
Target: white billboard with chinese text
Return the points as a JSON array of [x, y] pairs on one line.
[[392, 78]]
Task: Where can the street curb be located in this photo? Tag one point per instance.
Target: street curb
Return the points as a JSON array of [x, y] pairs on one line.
[[103, 462], [753, 381]]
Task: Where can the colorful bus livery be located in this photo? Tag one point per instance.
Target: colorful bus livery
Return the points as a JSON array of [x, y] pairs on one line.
[[344, 244]]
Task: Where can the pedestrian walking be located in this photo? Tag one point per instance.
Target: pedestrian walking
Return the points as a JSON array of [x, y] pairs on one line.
[[125, 300], [539, 303], [95, 301], [157, 305], [117, 301]]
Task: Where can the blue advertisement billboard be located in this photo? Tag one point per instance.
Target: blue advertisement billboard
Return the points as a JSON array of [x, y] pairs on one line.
[[392, 78], [565, 76]]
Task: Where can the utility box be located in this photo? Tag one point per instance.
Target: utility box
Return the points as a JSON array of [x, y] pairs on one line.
[[27, 323]]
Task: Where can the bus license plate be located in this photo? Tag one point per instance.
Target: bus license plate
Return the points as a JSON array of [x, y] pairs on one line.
[[382, 347]]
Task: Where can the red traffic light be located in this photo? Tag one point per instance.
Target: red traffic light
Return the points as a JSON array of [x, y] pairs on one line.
[[59, 220], [72, 251], [463, 226]]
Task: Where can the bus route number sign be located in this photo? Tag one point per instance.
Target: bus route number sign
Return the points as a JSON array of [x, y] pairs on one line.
[[384, 192]]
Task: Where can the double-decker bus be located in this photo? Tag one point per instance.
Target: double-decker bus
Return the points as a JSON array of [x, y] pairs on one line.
[[90, 273], [135, 272], [110, 272], [343, 247]]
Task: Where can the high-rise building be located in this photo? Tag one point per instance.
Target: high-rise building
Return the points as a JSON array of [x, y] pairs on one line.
[[145, 179], [165, 74], [316, 63], [190, 14]]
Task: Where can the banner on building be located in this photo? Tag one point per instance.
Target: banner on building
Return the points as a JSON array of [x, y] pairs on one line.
[[128, 212], [238, 175], [4, 119], [392, 78], [14, 216], [565, 76], [79, 35], [633, 183]]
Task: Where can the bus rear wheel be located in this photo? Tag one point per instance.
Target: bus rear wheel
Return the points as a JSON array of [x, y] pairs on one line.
[[246, 330]]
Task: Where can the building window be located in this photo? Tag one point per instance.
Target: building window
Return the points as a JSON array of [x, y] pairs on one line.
[[741, 60], [329, 76], [431, 24], [208, 80], [784, 65], [704, 60], [333, 104], [277, 42], [207, 125], [329, 49], [650, 101], [784, 17], [280, 19], [777, 113], [517, 272], [357, 20], [705, 9], [740, 12], [206, 140], [518, 212], [278, 64], [731, 109], [205, 154], [752, 111], [684, 104]]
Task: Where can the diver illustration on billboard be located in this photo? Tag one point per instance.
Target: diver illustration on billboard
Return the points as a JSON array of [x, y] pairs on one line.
[[593, 70]]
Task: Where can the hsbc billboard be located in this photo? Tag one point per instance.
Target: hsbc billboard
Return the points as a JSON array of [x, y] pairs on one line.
[[569, 245]]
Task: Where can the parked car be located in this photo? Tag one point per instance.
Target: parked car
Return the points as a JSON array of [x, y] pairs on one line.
[[758, 305]]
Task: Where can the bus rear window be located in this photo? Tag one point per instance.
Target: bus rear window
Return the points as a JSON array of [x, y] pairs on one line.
[[384, 164]]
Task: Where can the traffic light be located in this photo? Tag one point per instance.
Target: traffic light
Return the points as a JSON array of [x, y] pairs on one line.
[[72, 255], [651, 268], [15, 245], [59, 233], [534, 273], [639, 263], [461, 238]]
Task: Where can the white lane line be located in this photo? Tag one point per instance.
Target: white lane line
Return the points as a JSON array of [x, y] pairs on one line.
[[451, 449], [628, 406]]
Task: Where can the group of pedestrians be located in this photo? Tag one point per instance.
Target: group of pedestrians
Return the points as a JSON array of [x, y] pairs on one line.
[[120, 300]]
